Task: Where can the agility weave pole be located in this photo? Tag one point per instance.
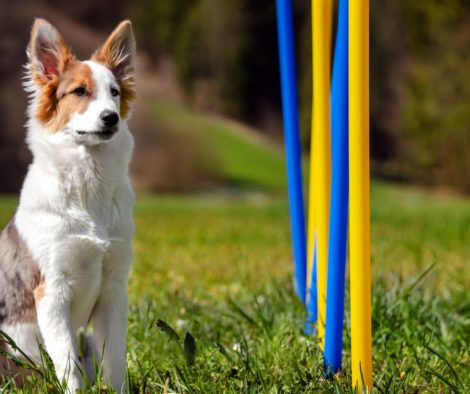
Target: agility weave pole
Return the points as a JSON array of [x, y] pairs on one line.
[[327, 228], [359, 199], [319, 185], [292, 142], [339, 197]]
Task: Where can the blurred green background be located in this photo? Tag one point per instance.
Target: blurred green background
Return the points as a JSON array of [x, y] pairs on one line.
[[209, 113]]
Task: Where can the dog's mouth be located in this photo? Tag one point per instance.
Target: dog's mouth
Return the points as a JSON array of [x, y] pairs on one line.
[[104, 134]]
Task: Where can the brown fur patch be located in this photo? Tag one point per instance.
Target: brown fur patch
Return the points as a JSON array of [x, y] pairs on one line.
[[19, 276], [47, 101], [116, 54], [127, 96], [66, 103], [39, 291]]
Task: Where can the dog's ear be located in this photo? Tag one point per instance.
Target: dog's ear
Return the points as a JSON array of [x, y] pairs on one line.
[[118, 51], [117, 54], [47, 52]]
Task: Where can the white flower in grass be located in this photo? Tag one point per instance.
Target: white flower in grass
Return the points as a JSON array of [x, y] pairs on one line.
[[181, 324], [237, 347]]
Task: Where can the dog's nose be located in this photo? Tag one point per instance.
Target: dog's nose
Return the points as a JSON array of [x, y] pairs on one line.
[[109, 118]]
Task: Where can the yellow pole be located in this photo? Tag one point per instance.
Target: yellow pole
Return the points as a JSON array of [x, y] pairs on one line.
[[359, 217], [320, 167]]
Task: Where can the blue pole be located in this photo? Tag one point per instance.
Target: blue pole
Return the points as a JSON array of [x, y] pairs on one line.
[[292, 142], [339, 197], [312, 312]]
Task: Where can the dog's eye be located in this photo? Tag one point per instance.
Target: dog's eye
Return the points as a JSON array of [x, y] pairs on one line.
[[114, 92], [80, 91]]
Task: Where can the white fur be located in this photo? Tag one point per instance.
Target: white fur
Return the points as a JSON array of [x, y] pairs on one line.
[[75, 215], [26, 335]]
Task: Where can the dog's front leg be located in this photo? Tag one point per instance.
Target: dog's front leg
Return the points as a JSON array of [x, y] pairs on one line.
[[109, 326], [110, 316], [54, 321]]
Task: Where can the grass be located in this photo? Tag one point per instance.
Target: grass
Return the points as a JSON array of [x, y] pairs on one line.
[[219, 267], [241, 156]]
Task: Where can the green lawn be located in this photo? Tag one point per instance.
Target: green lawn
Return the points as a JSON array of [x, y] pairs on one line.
[[242, 157], [219, 267]]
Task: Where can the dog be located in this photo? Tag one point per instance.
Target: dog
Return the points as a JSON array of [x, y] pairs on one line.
[[65, 256]]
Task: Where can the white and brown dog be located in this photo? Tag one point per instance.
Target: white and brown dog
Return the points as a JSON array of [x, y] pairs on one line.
[[65, 256]]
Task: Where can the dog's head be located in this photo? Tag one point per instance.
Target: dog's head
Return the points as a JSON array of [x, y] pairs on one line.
[[86, 101]]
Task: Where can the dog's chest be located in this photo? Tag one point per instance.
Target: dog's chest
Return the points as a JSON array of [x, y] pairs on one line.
[[92, 247]]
